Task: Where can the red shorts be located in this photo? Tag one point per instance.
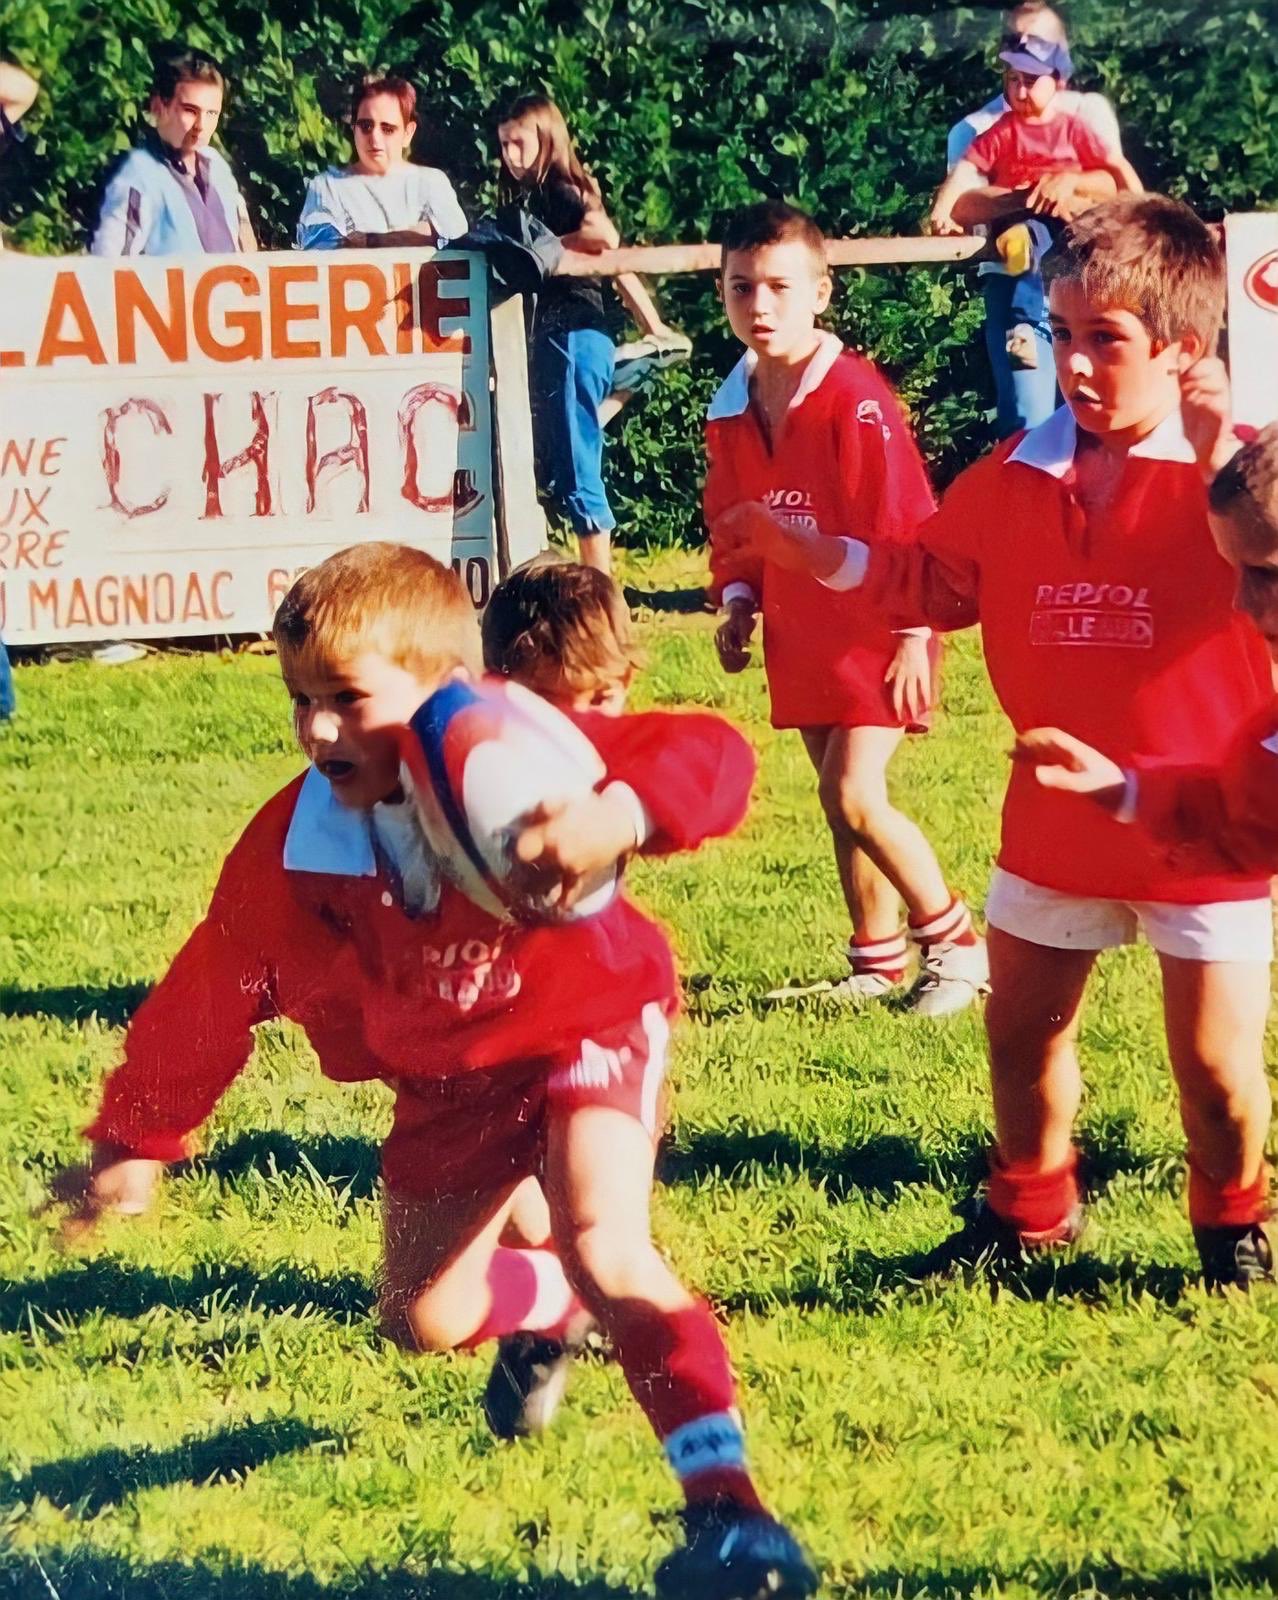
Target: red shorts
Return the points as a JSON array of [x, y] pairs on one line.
[[483, 1130], [849, 692]]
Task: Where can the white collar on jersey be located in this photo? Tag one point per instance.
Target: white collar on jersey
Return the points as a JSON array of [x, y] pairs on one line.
[[1051, 445], [732, 399], [326, 836]]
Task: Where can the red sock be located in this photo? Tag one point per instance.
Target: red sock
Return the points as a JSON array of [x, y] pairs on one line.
[[1034, 1203], [952, 926], [885, 957], [528, 1292], [1226, 1205], [678, 1370]]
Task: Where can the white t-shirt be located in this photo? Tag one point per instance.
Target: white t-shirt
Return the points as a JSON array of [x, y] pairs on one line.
[[339, 202]]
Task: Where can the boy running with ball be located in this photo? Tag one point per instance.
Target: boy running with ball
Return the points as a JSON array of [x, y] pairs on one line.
[[1083, 549], [514, 1050], [806, 438]]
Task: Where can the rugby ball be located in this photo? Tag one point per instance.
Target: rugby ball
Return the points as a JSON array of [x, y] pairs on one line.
[[475, 759]]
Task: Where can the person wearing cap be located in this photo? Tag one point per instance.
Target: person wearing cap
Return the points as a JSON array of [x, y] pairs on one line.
[[175, 194], [1018, 339]]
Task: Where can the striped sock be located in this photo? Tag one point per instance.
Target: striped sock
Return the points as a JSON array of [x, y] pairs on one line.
[[953, 926], [886, 958]]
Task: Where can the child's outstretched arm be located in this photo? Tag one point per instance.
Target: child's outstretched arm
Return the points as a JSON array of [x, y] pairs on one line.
[[188, 1041], [962, 178], [1232, 809]]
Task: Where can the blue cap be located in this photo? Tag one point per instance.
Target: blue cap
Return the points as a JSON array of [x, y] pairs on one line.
[[1026, 52]]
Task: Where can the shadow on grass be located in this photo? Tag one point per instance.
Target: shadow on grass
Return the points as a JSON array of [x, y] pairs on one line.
[[121, 1290], [869, 1284], [87, 1484], [344, 1161], [885, 1163], [112, 1003], [1094, 1583], [881, 1165], [682, 601], [88, 1575]]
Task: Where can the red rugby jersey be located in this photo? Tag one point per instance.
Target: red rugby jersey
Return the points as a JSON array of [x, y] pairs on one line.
[[1232, 810], [845, 462], [1120, 629], [323, 940]]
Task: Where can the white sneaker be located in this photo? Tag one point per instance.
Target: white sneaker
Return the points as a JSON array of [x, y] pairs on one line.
[[856, 989], [953, 976]]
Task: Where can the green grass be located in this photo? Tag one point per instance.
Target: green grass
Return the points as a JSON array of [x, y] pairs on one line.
[[197, 1406]]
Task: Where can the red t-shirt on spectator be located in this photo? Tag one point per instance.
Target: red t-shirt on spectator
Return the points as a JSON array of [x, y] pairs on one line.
[[1015, 153]]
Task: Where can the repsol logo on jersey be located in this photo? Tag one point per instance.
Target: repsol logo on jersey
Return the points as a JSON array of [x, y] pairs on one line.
[[1115, 614], [793, 508]]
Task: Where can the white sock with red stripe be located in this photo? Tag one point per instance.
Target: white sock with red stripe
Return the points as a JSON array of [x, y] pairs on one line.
[[885, 958], [953, 926], [528, 1294]]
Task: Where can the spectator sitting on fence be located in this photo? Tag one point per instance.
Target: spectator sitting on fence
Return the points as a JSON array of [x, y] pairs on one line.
[[381, 197], [175, 194], [1017, 335], [577, 381]]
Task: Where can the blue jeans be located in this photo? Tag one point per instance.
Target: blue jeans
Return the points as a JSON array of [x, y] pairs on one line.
[[8, 702], [1026, 395], [572, 376]]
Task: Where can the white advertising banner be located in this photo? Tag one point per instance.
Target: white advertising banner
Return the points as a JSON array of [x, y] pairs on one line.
[[179, 438], [1251, 243]]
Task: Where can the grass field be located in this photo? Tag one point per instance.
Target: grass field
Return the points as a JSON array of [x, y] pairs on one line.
[[196, 1405]]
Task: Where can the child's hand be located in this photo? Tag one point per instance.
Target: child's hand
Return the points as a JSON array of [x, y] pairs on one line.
[[747, 529], [940, 221], [732, 640], [1208, 414], [910, 679], [563, 845], [1054, 195], [1061, 761], [111, 1181]]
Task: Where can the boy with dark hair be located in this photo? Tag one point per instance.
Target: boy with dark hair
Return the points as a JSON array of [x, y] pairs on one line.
[[175, 194], [562, 629], [513, 1050], [805, 434], [1084, 551]]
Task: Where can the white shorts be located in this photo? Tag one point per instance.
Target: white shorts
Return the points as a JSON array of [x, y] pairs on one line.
[[1221, 930]]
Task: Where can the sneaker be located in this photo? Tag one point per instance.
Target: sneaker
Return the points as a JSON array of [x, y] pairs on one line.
[[527, 1383], [638, 363], [1235, 1258], [988, 1240], [733, 1554], [1016, 246], [858, 988], [953, 976]]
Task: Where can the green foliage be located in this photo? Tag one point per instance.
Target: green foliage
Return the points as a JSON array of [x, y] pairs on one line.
[[198, 1405], [685, 109]]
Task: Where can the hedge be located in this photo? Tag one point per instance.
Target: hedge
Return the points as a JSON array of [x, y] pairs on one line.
[[685, 109]]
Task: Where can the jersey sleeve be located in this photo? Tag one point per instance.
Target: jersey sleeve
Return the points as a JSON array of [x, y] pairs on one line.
[[888, 495], [126, 217], [1232, 809], [721, 492], [691, 772], [988, 148], [194, 1032], [934, 579], [322, 225]]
